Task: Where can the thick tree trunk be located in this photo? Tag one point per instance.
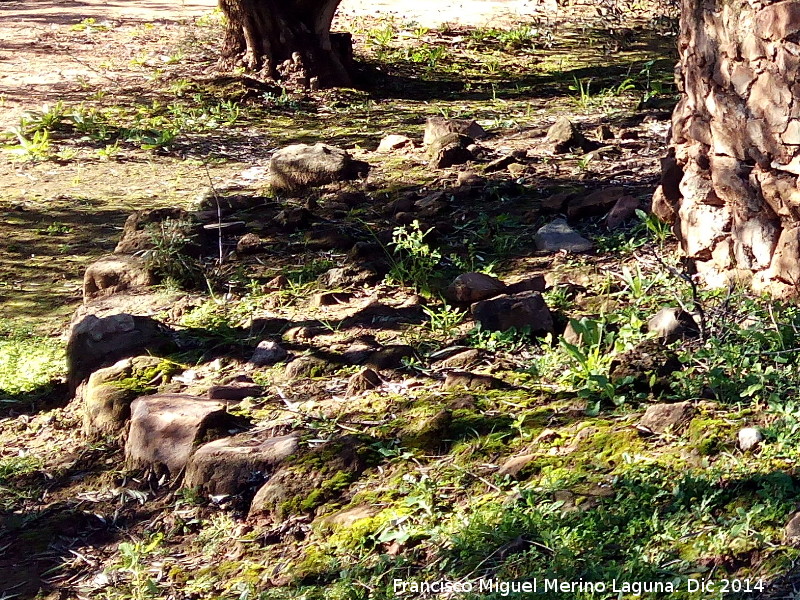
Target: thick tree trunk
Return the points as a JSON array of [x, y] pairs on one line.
[[730, 182], [288, 40]]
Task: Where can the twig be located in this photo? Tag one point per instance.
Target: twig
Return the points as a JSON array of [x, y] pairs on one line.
[[219, 210]]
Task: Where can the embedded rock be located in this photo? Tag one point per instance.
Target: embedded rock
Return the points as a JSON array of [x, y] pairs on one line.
[[141, 226], [474, 287], [437, 127], [243, 462], [597, 202], [472, 381], [672, 324], [108, 394], [311, 478], [645, 368], [166, 429], [558, 235], [267, 353], [450, 149], [300, 165], [660, 418], [749, 438], [564, 136], [97, 342], [114, 273], [526, 309], [394, 142], [364, 380]]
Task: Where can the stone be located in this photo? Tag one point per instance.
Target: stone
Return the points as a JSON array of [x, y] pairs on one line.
[[300, 165], [470, 178], [791, 531], [109, 392], [98, 342], [462, 359], [394, 142], [571, 336], [517, 169], [166, 428], [671, 324], [532, 283], [349, 276], [234, 391], [448, 150], [250, 243], [498, 164], [749, 438], [347, 517], [305, 367], [662, 208], [437, 127], [473, 287], [646, 367], [558, 235], [321, 299], [310, 479], [389, 357], [564, 136], [364, 380], [233, 465], [515, 465], [267, 353], [137, 233], [111, 274], [520, 311], [471, 381], [660, 418], [293, 217], [427, 433], [624, 209], [597, 202]]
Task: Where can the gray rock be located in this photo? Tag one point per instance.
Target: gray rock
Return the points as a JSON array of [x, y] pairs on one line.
[[462, 359], [233, 465], [436, 127], [791, 531], [306, 366], [564, 136], [394, 142], [671, 324], [516, 464], [234, 391], [250, 243], [114, 273], [471, 381], [107, 400], [526, 309], [364, 380], [300, 165], [98, 342], [624, 210], [267, 353], [166, 429], [595, 203], [448, 150], [558, 235], [749, 438], [660, 418], [474, 287]]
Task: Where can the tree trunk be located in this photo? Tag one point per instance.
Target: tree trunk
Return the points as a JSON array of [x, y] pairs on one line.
[[288, 40], [730, 182]]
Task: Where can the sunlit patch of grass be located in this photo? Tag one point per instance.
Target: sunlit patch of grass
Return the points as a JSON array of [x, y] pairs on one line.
[[28, 362]]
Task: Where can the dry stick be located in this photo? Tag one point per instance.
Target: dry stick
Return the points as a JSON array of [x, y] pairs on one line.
[[219, 210], [91, 68]]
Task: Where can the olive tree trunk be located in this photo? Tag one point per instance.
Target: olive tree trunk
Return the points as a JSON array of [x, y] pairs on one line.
[[730, 181], [287, 40]]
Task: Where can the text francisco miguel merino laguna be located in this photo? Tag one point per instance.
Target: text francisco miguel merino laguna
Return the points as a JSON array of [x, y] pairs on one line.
[[542, 586]]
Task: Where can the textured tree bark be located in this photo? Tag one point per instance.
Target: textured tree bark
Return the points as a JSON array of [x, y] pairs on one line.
[[287, 40], [730, 181]]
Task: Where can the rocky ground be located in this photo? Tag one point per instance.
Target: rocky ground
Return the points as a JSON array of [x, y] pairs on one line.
[[450, 343]]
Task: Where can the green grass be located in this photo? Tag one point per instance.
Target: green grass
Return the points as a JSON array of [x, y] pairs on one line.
[[28, 362]]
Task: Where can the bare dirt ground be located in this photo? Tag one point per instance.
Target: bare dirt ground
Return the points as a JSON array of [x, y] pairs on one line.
[[46, 56], [57, 216]]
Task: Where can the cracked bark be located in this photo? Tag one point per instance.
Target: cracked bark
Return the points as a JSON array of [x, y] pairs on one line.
[[288, 41], [730, 182]]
